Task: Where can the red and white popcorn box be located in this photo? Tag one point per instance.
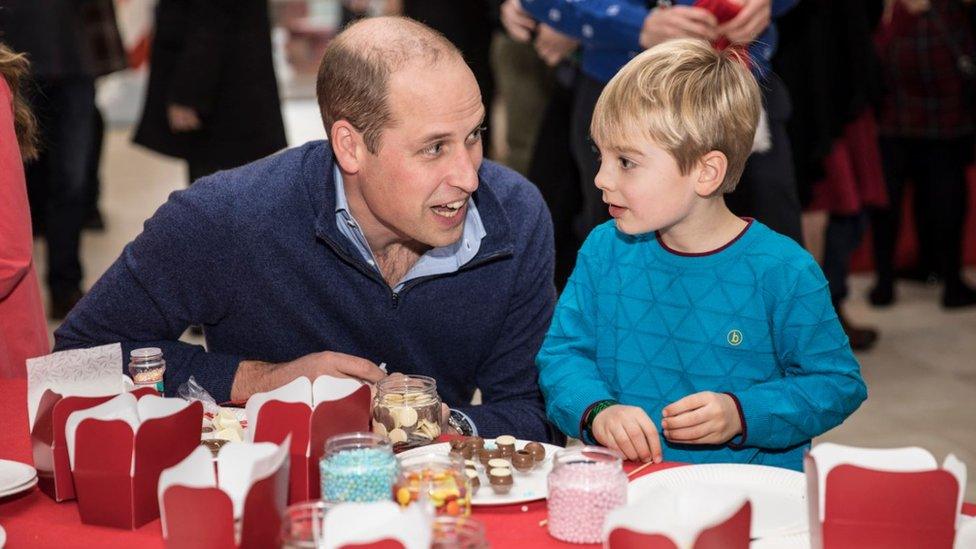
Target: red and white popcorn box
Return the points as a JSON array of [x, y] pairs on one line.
[[867, 497], [692, 518], [58, 385], [119, 448], [379, 525], [239, 505], [310, 413]]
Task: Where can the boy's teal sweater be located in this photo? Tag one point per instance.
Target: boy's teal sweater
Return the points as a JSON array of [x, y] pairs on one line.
[[646, 326]]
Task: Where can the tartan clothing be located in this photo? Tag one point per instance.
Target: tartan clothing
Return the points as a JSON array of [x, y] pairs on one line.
[[927, 96]]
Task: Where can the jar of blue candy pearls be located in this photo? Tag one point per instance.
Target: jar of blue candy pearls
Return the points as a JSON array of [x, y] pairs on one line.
[[358, 467]]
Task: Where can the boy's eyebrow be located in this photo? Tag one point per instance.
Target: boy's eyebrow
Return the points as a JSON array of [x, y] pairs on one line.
[[625, 150]]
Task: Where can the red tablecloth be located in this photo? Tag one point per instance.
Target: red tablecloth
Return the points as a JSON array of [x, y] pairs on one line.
[[35, 520]]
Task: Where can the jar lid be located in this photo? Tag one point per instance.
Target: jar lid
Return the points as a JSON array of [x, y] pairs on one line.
[[145, 352]]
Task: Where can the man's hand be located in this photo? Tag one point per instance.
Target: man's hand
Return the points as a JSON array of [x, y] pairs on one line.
[[518, 22], [664, 24], [552, 45], [701, 418], [255, 377], [628, 429], [182, 118], [749, 23]]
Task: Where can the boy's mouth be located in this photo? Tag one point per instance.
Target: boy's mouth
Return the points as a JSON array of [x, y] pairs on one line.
[[615, 210]]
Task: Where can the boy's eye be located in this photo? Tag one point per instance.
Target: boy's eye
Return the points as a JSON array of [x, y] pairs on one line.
[[625, 163]]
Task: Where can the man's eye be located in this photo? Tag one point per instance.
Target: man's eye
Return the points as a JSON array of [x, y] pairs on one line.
[[433, 150], [477, 134]]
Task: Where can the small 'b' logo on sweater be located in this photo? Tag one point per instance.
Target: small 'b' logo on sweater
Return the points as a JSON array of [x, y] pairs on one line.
[[735, 337]]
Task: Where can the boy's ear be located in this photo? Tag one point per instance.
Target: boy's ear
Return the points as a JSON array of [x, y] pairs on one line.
[[348, 146], [711, 173]]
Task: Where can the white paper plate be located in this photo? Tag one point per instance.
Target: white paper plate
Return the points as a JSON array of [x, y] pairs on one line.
[[3, 537], [18, 489], [14, 474], [778, 496], [527, 487]]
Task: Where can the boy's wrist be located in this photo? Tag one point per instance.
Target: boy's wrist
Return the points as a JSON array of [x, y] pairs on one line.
[[589, 415], [739, 440]]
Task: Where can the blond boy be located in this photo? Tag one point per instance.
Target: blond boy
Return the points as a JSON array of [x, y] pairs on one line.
[[685, 332]]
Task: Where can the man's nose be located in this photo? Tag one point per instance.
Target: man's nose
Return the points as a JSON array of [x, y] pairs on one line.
[[464, 171]]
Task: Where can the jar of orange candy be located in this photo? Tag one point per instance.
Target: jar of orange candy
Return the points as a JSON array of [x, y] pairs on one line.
[[437, 479]]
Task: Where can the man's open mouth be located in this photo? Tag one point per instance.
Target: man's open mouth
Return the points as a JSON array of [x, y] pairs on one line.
[[450, 209]]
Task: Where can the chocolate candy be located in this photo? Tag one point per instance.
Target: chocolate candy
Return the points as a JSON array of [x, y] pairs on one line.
[[499, 463], [474, 480], [523, 461], [506, 443], [214, 445], [485, 455], [501, 480], [537, 450], [476, 443]]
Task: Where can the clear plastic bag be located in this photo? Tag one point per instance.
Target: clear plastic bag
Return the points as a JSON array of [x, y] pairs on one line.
[[191, 390]]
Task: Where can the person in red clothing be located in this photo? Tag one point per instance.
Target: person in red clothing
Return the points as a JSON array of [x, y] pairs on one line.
[[23, 331]]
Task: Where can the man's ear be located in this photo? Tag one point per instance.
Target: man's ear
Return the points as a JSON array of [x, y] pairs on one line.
[[710, 170], [348, 145]]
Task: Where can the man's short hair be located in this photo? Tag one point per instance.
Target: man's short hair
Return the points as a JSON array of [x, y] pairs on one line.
[[354, 76], [689, 99]]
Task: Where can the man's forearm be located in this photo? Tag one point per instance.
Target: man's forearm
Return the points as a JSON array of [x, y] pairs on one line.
[[254, 376]]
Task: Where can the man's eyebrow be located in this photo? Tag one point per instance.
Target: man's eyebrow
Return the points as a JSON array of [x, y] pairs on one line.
[[444, 135]]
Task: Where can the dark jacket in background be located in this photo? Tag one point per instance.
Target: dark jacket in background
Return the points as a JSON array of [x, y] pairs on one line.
[[827, 60], [213, 56], [52, 33]]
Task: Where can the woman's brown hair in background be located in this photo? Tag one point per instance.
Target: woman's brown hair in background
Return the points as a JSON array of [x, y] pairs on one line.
[[14, 68]]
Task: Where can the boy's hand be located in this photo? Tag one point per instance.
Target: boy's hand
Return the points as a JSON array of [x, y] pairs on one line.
[[628, 429], [748, 23], [678, 22], [701, 418]]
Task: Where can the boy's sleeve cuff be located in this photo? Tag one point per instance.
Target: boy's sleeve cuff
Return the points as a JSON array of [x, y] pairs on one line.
[[738, 441]]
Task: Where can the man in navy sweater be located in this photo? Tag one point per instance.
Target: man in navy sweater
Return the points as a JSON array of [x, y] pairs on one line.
[[392, 242]]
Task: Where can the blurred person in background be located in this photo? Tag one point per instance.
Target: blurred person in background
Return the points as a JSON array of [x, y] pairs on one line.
[[827, 60], [533, 49], [611, 32], [927, 136], [212, 98], [53, 35], [23, 332]]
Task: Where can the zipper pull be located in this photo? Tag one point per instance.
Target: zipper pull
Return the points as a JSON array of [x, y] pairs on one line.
[[396, 300]]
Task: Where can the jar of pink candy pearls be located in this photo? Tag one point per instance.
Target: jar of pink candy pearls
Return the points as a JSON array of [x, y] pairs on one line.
[[585, 484]]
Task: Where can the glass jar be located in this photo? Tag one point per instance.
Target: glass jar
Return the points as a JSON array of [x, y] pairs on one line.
[[458, 533], [438, 479], [407, 410], [585, 484], [146, 367], [302, 525], [357, 467]]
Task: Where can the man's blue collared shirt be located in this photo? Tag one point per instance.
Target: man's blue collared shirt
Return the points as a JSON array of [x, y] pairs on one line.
[[443, 260]]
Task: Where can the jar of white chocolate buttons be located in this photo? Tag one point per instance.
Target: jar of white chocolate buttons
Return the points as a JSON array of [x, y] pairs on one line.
[[407, 409]]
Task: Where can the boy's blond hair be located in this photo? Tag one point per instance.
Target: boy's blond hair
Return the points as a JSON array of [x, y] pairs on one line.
[[689, 99]]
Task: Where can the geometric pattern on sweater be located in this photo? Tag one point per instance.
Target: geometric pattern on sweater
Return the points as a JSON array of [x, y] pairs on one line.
[[646, 326]]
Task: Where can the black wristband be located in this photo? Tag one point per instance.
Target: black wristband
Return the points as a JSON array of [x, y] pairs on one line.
[[591, 412]]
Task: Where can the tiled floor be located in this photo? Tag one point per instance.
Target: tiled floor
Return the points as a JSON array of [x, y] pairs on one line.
[[921, 377]]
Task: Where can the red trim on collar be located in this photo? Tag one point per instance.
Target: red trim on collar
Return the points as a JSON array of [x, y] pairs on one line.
[[748, 220]]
